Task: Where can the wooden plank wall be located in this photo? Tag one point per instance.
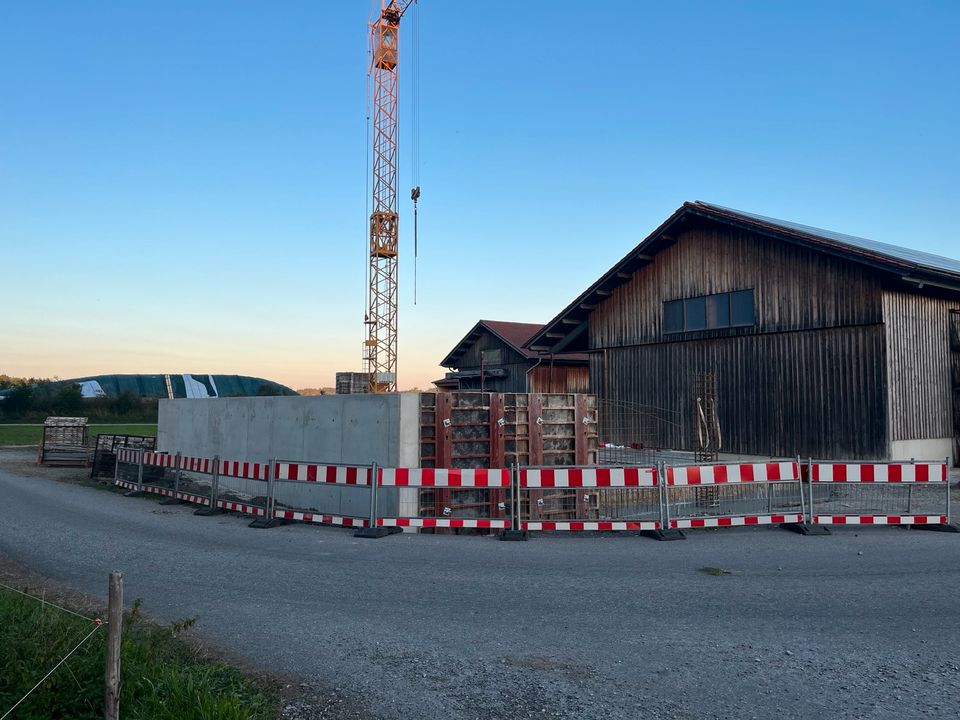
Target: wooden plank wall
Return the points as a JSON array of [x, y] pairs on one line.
[[919, 365], [795, 288], [514, 363], [546, 378], [818, 393]]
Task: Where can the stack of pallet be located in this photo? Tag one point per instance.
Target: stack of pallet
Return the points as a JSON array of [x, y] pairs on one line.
[[64, 442]]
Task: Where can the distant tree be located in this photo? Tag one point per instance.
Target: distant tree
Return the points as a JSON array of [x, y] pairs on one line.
[[19, 402], [68, 400], [125, 403], [310, 392]]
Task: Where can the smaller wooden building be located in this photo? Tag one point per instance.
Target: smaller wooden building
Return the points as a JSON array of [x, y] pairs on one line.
[[493, 357]]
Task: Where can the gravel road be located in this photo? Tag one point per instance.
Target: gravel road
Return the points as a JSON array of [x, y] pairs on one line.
[[860, 624]]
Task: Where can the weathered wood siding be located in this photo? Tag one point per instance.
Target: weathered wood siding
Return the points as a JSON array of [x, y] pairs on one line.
[[795, 288], [546, 378], [817, 393], [919, 365], [809, 378], [515, 364]]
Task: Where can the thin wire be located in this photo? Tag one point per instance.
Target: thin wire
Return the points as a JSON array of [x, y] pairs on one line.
[[367, 190], [52, 671], [47, 602], [415, 139]]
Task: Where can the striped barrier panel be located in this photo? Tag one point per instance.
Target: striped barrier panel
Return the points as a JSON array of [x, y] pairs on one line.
[[319, 493], [319, 518], [591, 499], [166, 492], [879, 493], [879, 472], [734, 495], [448, 498], [245, 470], [335, 474]]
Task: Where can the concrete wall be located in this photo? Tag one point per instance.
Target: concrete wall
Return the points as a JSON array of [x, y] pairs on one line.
[[334, 429], [926, 449]]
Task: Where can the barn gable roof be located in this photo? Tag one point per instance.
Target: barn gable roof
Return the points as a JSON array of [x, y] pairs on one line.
[[568, 329], [514, 334]]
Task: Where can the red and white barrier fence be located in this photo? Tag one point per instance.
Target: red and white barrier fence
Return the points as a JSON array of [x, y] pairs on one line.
[[617, 499], [451, 482], [879, 493], [553, 498], [733, 495]]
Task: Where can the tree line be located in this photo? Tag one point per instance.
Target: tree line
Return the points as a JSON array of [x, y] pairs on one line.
[[33, 400]]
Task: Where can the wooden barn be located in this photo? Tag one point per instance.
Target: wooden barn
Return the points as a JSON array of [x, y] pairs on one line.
[[810, 342], [493, 357]]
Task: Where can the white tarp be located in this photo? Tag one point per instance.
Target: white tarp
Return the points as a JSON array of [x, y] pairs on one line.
[[91, 389], [194, 388]]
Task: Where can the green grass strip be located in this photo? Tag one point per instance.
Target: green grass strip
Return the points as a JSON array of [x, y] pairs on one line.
[[163, 676], [31, 434]]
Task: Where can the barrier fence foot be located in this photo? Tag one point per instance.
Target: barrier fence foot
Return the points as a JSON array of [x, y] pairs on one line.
[[171, 501], [514, 535], [376, 532], [806, 528], [948, 528], [664, 534], [207, 511], [262, 523]]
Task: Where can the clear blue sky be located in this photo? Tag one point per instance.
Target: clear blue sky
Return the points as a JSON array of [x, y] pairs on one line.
[[183, 184]]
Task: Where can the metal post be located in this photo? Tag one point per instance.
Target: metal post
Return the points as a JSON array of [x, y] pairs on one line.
[[515, 531], [214, 491], [803, 504], [215, 482], [176, 477], [111, 704], [267, 521], [175, 498], [373, 530], [946, 463], [271, 490], [665, 494], [116, 466], [140, 472], [374, 489]]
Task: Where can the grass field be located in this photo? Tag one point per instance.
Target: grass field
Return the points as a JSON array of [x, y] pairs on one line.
[[163, 677], [31, 434]]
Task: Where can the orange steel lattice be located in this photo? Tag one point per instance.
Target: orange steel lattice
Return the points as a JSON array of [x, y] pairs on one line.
[[380, 348]]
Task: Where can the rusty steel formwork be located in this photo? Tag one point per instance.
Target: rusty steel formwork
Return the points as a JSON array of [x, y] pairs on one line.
[[497, 430]]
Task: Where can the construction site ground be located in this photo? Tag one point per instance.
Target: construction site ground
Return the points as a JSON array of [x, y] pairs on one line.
[[752, 622]]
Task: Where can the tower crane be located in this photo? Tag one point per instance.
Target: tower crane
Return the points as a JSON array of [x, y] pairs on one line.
[[380, 347]]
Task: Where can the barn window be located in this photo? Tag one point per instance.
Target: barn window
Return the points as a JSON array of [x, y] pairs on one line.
[[709, 312], [695, 313], [741, 308], [492, 357], [673, 316], [718, 311]]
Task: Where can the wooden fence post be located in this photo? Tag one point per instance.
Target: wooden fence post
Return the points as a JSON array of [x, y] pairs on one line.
[[111, 707]]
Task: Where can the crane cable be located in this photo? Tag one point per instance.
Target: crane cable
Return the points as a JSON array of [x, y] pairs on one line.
[[415, 137]]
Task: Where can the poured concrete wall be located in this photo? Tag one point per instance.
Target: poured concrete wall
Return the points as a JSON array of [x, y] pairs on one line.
[[333, 429]]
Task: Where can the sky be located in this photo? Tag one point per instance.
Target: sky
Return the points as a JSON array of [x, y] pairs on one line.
[[183, 185]]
